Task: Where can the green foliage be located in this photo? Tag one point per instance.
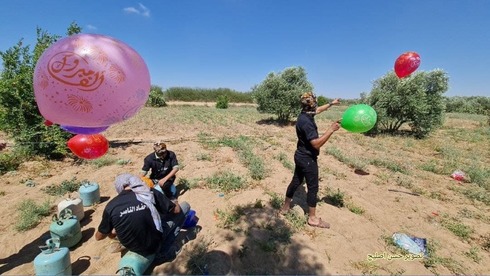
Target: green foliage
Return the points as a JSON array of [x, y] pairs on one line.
[[19, 115], [355, 209], [222, 102], [66, 186], [225, 182], [336, 198], [156, 98], [355, 161], [31, 213], [279, 93], [242, 145], [228, 219], [103, 161], [11, 161], [282, 157], [458, 228], [416, 100], [473, 254], [206, 95], [473, 105], [276, 200], [296, 220], [322, 100]]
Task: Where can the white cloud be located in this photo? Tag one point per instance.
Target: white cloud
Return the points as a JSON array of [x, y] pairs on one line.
[[144, 10], [141, 10], [91, 27]]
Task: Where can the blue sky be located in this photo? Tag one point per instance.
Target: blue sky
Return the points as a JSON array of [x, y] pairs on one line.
[[344, 45]]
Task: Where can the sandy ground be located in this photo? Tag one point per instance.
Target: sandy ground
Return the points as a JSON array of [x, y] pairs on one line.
[[247, 248]]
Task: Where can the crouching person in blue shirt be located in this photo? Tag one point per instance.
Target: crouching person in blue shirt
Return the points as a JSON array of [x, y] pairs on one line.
[[144, 221]]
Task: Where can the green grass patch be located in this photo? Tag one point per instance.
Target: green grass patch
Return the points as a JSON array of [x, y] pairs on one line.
[[66, 186], [433, 260], [229, 219], [282, 157], [244, 147], [390, 165], [355, 209], [226, 182], [276, 200], [456, 227], [336, 198], [354, 162], [31, 214]]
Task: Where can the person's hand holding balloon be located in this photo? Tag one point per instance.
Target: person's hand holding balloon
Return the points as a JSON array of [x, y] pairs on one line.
[[335, 126]]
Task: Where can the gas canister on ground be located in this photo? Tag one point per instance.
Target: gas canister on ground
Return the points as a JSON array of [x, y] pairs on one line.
[[134, 264], [89, 193], [53, 259], [66, 228], [75, 205]]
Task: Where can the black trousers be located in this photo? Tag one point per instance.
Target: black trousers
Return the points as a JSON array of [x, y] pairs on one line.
[[305, 167]]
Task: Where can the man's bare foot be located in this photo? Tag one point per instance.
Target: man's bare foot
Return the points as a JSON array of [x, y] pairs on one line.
[[319, 223]]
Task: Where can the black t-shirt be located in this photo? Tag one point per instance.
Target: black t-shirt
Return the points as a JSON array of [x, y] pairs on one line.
[[306, 130], [133, 222], [160, 167]]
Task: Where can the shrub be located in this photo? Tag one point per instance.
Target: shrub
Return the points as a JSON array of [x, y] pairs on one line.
[[11, 161], [19, 115], [66, 186], [416, 101], [279, 94], [222, 102], [156, 98]]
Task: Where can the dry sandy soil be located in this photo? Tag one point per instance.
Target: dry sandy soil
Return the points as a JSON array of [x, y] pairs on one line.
[[248, 247]]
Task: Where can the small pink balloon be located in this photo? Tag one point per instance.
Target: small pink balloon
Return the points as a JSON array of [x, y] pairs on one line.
[[90, 80]]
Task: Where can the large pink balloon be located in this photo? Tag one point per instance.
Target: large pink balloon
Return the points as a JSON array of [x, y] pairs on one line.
[[90, 80]]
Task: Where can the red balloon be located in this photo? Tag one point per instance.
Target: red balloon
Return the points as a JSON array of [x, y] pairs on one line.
[[48, 123], [406, 64], [88, 146]]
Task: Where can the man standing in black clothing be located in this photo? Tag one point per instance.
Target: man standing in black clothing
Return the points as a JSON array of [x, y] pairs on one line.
[[163, 165], [305, 157]]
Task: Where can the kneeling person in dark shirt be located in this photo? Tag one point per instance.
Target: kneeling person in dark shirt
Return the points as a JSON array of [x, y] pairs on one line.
[[140, 218]]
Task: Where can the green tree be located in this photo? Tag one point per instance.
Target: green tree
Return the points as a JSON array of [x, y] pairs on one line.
[[322, 100], [156, 98], [416, 101], [279, 93], [19, 116]]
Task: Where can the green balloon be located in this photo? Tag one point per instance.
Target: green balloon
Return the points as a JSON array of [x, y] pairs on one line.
[[359, 118]]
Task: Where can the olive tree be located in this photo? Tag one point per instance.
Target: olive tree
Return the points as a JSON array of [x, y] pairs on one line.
[[416, 101], [279, 93]]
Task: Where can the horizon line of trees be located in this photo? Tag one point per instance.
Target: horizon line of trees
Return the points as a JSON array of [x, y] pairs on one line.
[[455, 104]]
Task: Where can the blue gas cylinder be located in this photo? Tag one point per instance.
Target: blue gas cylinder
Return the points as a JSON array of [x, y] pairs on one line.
[[89, 193], [53, 260], [66, 228], [134, 264]]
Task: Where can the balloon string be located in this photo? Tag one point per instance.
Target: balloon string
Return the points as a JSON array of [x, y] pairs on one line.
[[136, 141]]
